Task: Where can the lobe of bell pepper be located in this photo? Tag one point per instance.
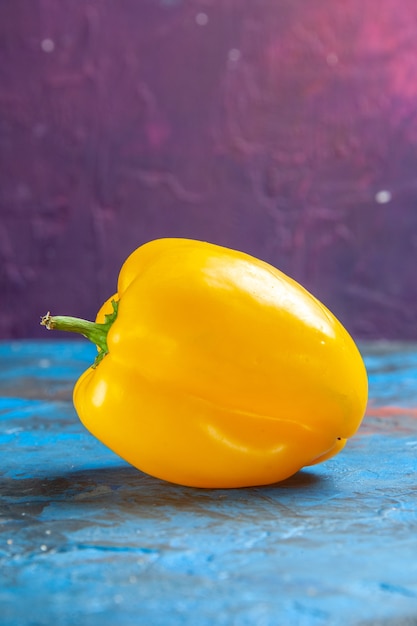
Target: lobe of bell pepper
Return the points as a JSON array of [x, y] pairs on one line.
[[218, 370]]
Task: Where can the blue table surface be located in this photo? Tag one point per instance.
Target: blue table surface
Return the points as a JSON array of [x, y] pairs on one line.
[[85, 539]]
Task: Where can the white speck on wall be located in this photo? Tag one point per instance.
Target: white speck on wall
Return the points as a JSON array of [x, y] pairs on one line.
[[39, 130], [48, 45], [44, 547], [234, 55], [332, 58], [201, 19], [383, 196]]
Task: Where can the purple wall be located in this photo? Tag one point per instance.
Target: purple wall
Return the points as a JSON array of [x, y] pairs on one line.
[[285, 128]]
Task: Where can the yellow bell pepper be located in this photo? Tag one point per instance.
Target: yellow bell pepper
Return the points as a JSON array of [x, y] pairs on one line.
[[215, 369]]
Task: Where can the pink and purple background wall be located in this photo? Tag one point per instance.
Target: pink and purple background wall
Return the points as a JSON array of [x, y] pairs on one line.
[[285, 128]]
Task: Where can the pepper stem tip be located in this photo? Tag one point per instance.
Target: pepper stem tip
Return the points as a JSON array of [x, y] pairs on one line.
[[95, 332]]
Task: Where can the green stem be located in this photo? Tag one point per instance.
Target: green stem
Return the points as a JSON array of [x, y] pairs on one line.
[[97, 333]]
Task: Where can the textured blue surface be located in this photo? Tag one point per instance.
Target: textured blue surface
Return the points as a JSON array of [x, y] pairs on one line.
[[85, 539]]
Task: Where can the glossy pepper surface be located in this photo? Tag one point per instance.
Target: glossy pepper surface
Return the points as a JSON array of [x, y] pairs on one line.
[[216, 369]]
